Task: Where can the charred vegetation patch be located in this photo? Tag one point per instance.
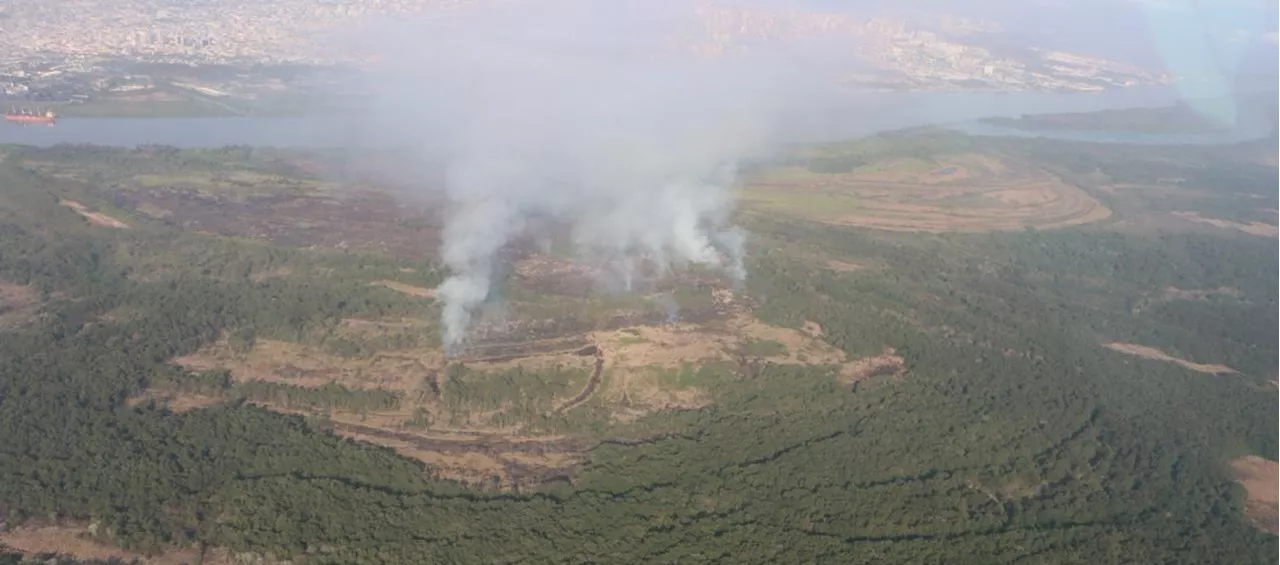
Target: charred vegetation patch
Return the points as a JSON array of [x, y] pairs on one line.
[[362, 219]]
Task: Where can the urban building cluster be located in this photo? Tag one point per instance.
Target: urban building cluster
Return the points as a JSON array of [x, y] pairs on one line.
[[56, 49]]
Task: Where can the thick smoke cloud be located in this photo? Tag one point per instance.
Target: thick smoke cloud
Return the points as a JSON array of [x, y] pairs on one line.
[[610, 123]]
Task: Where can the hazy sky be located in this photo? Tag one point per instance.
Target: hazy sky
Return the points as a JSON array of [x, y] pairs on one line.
[[1173, 34]]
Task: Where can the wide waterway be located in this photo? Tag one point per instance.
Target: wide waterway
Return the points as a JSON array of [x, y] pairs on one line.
[[854, 116]]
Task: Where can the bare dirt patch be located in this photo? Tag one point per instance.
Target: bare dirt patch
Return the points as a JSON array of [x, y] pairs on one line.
[[844, 266], [307, 366], [948, 169], [618, 374], [1175, 293], [977, 194], [177, 403], [95, 218], [888, 363], [1153, 353], [1258, 476], [1044, 206], [474, 451], [479, 459], [554, 275], [636, 357], [1252, 228], [19, 305], [78, 542], [63, 540], [411, 290], [154, 211]]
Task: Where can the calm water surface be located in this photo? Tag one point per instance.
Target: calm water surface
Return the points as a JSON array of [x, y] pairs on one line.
[[856, 115]]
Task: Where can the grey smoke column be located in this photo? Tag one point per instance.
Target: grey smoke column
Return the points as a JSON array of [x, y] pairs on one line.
[[591, 115]]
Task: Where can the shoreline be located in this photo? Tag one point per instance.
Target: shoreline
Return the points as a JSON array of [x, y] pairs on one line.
[[855, 115]]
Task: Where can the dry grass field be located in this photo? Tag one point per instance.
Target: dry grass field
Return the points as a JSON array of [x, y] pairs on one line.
[[963, 193]]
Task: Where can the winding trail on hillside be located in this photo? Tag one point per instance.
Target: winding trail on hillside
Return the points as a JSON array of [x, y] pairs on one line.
[[590, 388]]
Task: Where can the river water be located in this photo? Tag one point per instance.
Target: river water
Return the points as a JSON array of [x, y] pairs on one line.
[[854, 115]]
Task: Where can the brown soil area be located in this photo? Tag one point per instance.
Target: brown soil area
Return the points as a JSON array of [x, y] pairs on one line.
[[75, 541], [887, 363], [843, 266], [306, 366], [1045, 205], [553, 275], [478, 458], [1175, 293], [946, 170], [1259, 478], [977, 194], [1153, 353], [1252, 228], [636, 357], [95, 218], [19, 304], [630, 372], [414, 291], [177, 403], [473, 455]]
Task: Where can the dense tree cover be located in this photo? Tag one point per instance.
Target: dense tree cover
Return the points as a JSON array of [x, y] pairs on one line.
[[1014, 438]]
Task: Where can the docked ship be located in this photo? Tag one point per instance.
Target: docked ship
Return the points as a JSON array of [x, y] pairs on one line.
[[25, 117]]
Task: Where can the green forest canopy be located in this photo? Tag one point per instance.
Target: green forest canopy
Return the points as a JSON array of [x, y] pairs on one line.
[[1061, 452]]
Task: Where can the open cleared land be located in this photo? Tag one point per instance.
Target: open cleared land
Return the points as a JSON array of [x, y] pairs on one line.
[[95, 218], [964, 193], [411, 395], [19, 305], [78, 542], [1175, 293], [411, 290], [1153, 353], [1261, 229], [1259, 477]]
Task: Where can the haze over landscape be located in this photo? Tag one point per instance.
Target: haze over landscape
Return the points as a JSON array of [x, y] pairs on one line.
[[733, 281], [626, 151]]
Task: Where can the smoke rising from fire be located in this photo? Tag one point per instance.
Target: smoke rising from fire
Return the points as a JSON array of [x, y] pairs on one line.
[[601, 119]]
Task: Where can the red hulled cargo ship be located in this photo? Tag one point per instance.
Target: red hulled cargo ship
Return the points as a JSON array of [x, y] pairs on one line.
[[24, 117]]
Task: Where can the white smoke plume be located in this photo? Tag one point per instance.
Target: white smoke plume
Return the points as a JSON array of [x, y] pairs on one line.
[[600, 118]]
